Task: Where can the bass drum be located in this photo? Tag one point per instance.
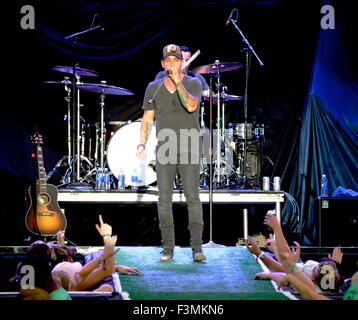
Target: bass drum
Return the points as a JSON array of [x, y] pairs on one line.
[[121, 154]]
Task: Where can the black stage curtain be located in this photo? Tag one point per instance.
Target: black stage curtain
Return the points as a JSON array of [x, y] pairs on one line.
[[305, 94]]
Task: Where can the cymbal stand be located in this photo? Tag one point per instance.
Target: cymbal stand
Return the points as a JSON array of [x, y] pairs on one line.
[[78, 130], [67, 177], [218, 126], [223, 134], [211, 243], [76, 138], [101, 141], [248, 51]]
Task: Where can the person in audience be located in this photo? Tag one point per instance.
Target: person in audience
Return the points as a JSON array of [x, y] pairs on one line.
[[311, 274], [41, 280]]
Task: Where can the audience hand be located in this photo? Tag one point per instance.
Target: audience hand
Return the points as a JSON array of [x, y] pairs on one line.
[[252, 246], [337, 255], [104, 229], [297, 251], [270, 244], [60, 236], [271, 221], [127, 270], [283, 282], [108, 250]]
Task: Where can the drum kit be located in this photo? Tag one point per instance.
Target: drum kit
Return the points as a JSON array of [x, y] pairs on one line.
[[111, 145]]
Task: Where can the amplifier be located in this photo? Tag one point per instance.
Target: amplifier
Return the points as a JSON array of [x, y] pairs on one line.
[[337, 222]]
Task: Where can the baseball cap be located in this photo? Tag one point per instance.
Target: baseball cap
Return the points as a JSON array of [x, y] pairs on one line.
[[172, 50]]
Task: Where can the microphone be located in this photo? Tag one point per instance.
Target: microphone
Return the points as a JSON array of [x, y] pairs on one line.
[[169, 71], [230, 16]]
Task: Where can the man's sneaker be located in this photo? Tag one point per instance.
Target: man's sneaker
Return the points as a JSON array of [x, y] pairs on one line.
[[198, 255], [167, 254]]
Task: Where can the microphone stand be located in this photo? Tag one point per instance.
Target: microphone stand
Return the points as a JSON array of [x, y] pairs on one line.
[[248, 52]]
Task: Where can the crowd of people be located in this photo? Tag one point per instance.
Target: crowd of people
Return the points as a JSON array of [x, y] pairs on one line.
[[56, 273], [313, 280]]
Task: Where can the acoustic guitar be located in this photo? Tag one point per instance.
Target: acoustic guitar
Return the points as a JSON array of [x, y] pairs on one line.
[[44, 216]]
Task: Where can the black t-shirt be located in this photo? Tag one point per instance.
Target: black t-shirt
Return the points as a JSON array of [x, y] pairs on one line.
[[170, 115]]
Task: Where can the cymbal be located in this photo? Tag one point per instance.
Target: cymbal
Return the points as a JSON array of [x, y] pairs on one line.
[[79, 71], [63, 82], [223, 66], [104, 89], [230, 97], [224, 96]]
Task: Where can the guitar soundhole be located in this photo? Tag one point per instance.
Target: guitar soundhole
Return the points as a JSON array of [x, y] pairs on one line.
[[43, 199]]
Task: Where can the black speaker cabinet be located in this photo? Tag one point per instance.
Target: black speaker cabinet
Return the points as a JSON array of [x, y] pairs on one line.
[[337, 222]]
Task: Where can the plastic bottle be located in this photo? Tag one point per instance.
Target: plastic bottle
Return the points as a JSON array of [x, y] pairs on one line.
[[107, 180], [121, 180], [134, 179], [98, 179], [324, 186]]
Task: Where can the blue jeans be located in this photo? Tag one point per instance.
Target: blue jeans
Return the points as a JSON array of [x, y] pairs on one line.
[[190, 175]]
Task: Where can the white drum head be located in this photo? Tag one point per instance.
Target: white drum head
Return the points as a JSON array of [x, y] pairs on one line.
[[121, 153]]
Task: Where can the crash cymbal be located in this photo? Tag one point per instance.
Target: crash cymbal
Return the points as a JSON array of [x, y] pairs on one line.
[[222, 66], [104, 88], [79, 71]]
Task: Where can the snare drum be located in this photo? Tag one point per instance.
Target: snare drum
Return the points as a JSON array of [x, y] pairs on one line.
[[121, 154]]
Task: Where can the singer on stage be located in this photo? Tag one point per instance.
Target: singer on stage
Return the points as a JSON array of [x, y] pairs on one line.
[[173, 101]]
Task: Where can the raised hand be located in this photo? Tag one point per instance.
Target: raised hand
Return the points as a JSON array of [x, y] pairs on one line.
[[271, 221], [108, 250], [297, 251], [104, 229], [271, 245], [60, 236], [337, 255], [252, 246]]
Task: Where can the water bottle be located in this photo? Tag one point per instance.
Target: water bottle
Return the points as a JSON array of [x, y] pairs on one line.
[[102, 179], [121, 180], [98, 179], [134, 179], [324, 186], [107, 179]]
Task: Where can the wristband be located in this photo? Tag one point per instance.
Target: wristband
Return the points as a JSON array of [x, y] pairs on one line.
[[107, 235], [141, 144], [261, 255], [293, 268], [299, 261], [99, 260]]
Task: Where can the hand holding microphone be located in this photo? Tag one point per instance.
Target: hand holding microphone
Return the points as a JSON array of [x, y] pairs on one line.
[[174, 75]]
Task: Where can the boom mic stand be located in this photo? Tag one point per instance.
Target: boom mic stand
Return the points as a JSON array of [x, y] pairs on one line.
[[248, 52]]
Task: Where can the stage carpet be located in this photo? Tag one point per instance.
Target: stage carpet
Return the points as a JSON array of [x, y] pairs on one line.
[[227, 274]]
